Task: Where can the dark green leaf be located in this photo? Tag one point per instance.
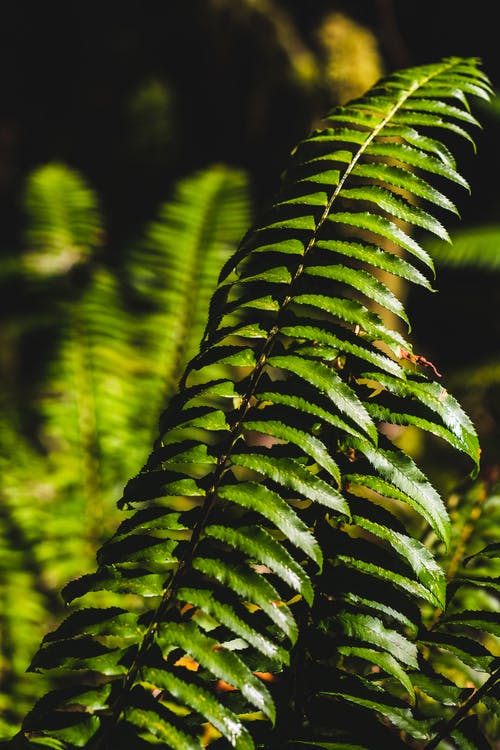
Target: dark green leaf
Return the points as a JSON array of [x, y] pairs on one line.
[[205, 600], [369, 629], [254, 588], [260, 546]]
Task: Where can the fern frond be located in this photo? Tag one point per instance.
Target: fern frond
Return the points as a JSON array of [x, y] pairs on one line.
[[21, 575], [173, 273], [63, 219], [235, 588]]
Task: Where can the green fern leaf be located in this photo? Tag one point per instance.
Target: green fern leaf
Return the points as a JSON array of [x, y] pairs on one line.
[[63, 218], [371, 630], [254, 588], [479, 620], [458, 428], [399, 477], [469, 651], [271, 506], [378, 258], [372, 697], [364, 283], [263, 480], [222, 663], [202, 701], [225, 615], [329, 383], [256, 541], [427, 570], [153, 727], [383, 660]]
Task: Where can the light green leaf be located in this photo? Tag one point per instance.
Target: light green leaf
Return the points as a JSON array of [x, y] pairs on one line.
[[373, 570], [224, 664], [327, 381], [226, 355], [366, 352], [438, 687], [293, 476], [431, 121], [112, 578], [386, 201], [471, 652], [253, 587], [382, 414], [269, 504], [203, 417], [151, 724], [351, 311], [298, 223], [442, 108], [154, 553], [194, 696], [311, 445], [438, 400], [299, 404], [421, 560], [363, 282], [80, 653], [399, 470], [377, 257], [112, 621], [415, 158], [309, 199], [275, 275], [287, 247], [385, 228], [382, 607], [369, 629], [491, 550], [479, 620], [394, 176]]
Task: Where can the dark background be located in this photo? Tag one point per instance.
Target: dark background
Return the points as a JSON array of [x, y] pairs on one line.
[[69, 70]]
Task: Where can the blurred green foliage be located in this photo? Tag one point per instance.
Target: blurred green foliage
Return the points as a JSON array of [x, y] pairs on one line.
[[116, 342]]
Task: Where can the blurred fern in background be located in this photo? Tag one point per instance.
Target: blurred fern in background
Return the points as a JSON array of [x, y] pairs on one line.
[[119, 339]]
